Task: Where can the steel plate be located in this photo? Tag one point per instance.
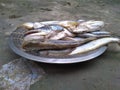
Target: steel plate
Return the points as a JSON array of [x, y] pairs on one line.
[[15, 42]]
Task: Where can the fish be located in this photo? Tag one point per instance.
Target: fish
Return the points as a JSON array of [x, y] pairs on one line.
[[32, 25], [55, 53], [87, 35], [37, 25], [73, 38], [35, 32], [51, 34], [46, 44], [101, 32], [56, 27], [51, 27], [33, 37], [58, 36], [92, 45], [28, 25], [46, 30], [93, 25], [68, 24], [80, 20], [88, 26], [49, 44], [62, 34]]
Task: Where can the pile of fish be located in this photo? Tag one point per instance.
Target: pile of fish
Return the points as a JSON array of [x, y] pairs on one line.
[[57, 38]]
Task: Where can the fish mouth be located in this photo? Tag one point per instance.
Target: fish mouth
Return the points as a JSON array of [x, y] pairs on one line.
[[30, 32]]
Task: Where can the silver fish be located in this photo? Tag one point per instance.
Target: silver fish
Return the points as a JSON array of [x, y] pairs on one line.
[[56, 27], [80, 20], [88, 26], [100, 32], [46, 29], [93, 25], [51, 27], [73, 39], [43, 26], [33, 37], [87, 35], [94, 45]]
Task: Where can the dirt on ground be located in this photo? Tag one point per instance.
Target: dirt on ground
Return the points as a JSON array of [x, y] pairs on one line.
[[103, 73]]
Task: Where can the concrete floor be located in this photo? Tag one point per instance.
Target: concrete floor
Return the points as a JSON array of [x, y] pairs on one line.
[[102, 73]]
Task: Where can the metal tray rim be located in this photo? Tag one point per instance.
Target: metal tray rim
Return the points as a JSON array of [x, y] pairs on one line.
[[93, 54]]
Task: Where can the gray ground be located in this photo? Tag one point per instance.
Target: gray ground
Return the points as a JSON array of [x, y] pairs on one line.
[[102, 73]]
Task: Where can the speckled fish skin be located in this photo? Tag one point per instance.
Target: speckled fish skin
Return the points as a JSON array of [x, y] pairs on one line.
[[94, 45]]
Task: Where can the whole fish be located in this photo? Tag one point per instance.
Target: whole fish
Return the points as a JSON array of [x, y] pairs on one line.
[[88, 26], [48, 44], [93, 25], [94, 45], [48, 30], [42, 44], [53, 35], [51, 27], [38, 25]]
